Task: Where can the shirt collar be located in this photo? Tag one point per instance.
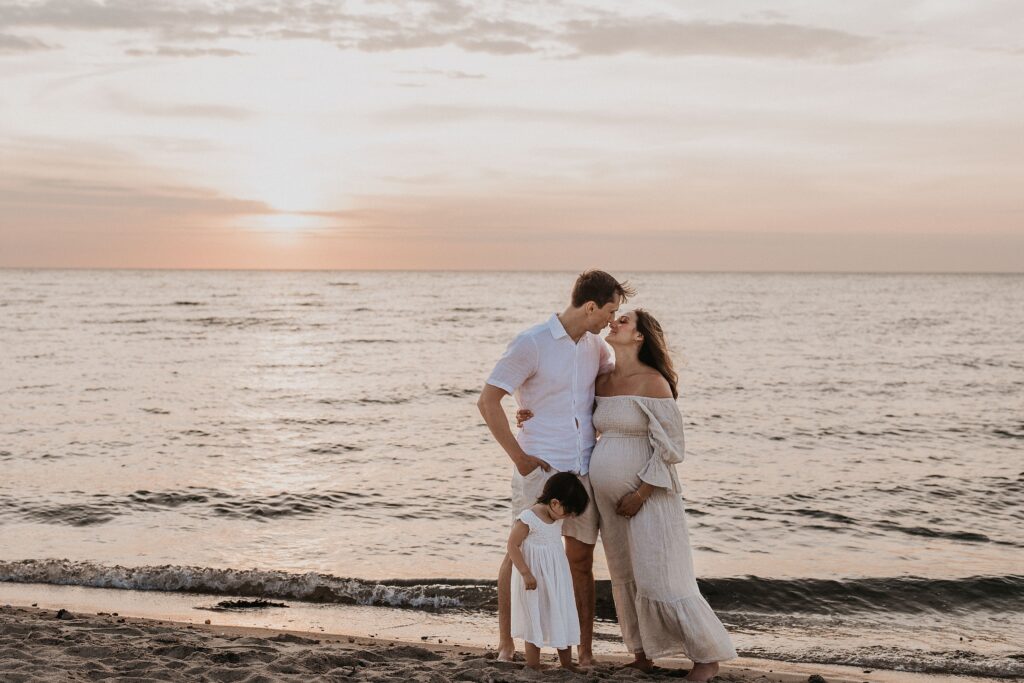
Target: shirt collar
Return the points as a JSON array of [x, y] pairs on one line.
[[556, 328]]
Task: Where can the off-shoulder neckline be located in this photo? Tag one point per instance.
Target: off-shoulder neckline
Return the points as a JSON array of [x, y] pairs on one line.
[[649, 398]]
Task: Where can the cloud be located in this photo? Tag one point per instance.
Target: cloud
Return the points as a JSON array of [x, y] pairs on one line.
[[391, 25], [666, 38], [59, 186], [133, 105], [167, 51], [10, 44], [500, 37], [61, 193], [459, 75], [132, 14], [445, 113], [496, 47]]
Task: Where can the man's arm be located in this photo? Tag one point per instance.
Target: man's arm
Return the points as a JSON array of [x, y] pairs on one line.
[[489, 404]]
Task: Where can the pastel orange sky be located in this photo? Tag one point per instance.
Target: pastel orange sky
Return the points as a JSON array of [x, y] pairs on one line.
[[792, 135]]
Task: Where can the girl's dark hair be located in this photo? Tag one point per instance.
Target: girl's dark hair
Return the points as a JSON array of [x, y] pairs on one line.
[[654, 350], [565, 487]]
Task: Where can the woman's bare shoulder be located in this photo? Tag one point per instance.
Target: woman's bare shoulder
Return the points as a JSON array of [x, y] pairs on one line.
[[654, 385]]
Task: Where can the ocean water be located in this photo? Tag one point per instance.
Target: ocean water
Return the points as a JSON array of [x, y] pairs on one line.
[[854, 476]]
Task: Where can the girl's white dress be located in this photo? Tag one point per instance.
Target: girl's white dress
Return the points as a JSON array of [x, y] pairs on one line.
[[546, 616]]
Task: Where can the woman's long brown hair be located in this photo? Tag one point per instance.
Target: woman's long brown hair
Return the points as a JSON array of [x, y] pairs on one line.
[[654, 350]]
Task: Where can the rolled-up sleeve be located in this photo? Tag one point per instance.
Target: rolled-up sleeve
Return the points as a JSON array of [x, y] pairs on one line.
[[517, 364]]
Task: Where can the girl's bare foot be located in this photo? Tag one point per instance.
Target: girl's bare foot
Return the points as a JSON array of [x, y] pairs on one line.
[[702, 672]]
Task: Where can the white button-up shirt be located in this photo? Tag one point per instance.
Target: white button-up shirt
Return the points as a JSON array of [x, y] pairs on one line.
[[554, 377]]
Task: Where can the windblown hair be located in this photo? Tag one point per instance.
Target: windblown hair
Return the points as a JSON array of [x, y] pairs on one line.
[[566, 488], [599, 287], [654, 350]]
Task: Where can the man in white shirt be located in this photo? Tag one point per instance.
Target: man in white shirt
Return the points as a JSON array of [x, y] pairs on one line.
[[551, 368]]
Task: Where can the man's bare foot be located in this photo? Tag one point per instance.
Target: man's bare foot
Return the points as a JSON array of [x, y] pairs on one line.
[[702, 672], [585, 658], [506, 654], [641, 664]]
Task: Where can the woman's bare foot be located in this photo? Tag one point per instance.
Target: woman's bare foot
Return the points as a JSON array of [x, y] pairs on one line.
[[641, 663], [572, 667], [539, 666], [702, 672], [506, 654]]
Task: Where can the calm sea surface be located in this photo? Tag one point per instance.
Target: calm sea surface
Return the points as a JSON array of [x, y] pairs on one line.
[[855, 443]]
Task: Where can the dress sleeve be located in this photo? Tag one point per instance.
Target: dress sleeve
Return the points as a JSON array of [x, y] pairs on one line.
[[665, 428], [528, 517]]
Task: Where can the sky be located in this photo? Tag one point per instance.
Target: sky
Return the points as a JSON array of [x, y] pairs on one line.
[[792, 135]]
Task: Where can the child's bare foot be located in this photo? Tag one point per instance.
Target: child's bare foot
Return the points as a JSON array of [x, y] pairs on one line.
[[702, 672]]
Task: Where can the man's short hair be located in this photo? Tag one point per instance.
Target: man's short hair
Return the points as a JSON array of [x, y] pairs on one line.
[[599, 287]]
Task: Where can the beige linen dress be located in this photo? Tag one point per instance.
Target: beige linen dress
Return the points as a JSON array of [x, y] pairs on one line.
[[660, 608]]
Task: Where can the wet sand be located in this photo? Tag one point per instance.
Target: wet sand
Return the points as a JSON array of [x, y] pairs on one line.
[[47, 645]]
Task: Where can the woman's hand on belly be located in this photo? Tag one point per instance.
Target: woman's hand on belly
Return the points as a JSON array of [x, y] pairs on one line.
[[631, 503]]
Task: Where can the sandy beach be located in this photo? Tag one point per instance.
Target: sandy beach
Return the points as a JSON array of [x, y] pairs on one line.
[[47, 645]]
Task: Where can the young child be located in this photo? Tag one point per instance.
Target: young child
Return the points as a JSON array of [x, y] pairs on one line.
[[543, 604]]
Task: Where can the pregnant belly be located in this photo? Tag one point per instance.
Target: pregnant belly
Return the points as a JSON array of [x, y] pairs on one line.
[[614, 465]]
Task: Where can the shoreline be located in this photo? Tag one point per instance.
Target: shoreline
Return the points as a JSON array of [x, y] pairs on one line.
[[90, 645], [143, 648]]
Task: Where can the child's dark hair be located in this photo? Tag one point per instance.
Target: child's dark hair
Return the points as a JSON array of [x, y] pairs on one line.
[[565, 487]]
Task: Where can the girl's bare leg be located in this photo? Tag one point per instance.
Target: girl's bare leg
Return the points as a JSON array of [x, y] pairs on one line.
[[565, 659], [533, 656]]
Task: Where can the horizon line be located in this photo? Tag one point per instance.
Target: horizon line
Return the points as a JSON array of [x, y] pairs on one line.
[[519, 270]]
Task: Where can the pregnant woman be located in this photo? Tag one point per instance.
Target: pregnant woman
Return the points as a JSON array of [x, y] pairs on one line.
[[643, 523]]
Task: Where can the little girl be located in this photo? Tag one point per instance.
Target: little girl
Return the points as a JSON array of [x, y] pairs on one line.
[[543, 604]]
